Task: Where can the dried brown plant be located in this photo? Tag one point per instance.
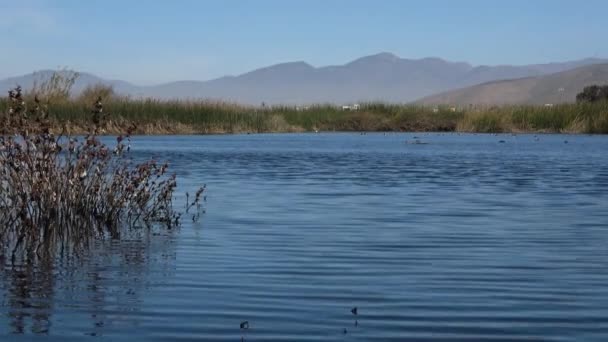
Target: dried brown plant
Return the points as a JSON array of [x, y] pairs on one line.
[[57, 189]]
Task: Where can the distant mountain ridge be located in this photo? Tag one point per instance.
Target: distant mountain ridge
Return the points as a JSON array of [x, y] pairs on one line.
[[380, 77], [560, 87]]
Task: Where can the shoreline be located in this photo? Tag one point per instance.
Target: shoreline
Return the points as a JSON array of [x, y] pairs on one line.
[[153, 117], [219, 133]]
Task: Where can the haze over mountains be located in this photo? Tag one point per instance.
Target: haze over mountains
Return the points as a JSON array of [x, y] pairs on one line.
[[554, 88], [380, 77]]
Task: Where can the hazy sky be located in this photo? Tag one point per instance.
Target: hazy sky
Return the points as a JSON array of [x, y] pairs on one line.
[[156, 41]]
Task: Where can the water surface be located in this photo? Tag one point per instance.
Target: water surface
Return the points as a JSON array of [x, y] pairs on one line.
[[463, 238]]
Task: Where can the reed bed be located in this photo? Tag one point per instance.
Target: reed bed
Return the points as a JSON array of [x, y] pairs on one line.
[[203, 117], [582, 117]]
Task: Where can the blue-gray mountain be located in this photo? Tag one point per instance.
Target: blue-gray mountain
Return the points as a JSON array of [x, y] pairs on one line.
[[381, 77]]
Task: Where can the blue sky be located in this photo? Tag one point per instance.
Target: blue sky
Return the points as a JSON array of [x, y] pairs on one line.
[[149, 42]]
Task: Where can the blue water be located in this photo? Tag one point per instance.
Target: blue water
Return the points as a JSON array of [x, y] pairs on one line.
[[463, 238]]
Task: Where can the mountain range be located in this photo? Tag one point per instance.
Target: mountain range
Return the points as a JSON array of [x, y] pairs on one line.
[[560, 87], [380, 77]]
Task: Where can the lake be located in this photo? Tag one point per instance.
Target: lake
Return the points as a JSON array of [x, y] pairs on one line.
[[459, 237]]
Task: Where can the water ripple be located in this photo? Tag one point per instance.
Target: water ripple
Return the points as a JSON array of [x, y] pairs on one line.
[[460, 239]]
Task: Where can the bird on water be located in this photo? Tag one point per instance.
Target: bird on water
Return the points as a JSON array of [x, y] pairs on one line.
[[244, 326]]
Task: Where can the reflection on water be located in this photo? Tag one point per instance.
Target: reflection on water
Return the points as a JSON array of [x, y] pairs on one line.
[[30, 294], [462, 238], [110, 273]]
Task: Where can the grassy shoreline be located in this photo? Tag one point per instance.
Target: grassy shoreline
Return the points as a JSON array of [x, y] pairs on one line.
[[154, 117]]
